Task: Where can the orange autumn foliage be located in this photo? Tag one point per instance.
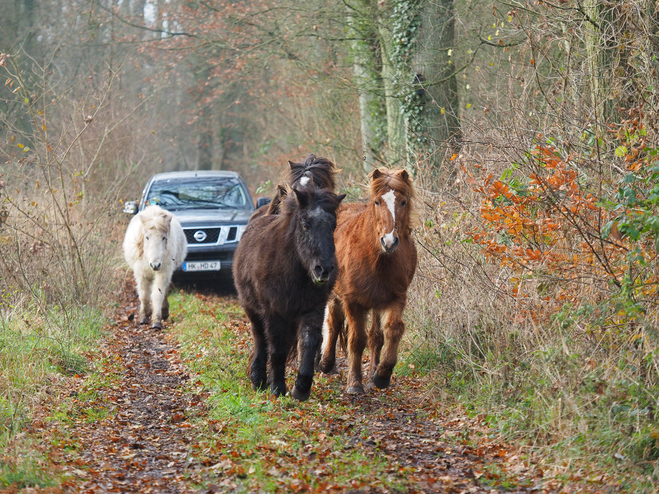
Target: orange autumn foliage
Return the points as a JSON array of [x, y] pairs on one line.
[[547, 227]]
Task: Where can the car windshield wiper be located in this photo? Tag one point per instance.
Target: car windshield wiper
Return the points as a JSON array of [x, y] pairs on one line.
[[214, 204]]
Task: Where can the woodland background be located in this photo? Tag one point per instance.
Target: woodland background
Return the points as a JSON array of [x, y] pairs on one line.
[[530, 127]]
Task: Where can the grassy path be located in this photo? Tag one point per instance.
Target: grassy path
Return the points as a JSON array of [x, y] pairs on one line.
[[173, 411], [396, 440]]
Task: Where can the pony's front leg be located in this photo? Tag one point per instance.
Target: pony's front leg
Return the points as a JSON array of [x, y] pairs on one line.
[[258, 372], [335, 321], [375, 342], [309, 337], [280, 340], [158, 295], [394, 327], [356, 344], [144, 293], [165, 307]]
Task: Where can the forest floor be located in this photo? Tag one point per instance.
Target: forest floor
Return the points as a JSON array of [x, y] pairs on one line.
[[172, 411]]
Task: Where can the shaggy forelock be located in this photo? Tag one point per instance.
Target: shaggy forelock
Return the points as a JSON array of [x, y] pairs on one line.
[[158, 220], [391, 180], [321, 170]]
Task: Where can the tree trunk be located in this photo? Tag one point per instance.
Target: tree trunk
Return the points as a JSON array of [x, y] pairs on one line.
[[593, 59], [367, 68], [219, 139], [440, 114], [367, 101], [396, 149], [204, 147]]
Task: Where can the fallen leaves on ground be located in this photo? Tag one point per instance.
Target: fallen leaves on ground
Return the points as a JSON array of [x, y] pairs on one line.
[[141, 425]]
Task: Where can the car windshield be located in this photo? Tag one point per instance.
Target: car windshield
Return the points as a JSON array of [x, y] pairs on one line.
[[198, 193]]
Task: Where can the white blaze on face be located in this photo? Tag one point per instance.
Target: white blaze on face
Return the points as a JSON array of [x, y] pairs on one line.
[[304, 180], [390, 199]]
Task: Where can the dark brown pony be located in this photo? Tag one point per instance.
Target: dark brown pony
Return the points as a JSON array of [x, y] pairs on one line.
[[377, 260], [284, 271], [319, 170]]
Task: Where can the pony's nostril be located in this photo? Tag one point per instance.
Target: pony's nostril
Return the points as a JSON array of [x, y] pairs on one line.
[[319, 271], [389, 243], [155, 265]]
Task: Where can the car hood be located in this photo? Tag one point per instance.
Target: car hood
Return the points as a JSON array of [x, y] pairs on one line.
[[211, 217]]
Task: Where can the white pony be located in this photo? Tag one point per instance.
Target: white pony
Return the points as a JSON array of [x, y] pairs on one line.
[[154, 247]]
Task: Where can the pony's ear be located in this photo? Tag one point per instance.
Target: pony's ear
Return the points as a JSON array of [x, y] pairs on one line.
[[291, 164], [167, 220], [302, 197], [375, 174], [340, 197], [404, 175]]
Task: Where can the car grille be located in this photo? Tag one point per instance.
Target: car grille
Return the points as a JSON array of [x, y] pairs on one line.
[[212, 234], [210, 256]]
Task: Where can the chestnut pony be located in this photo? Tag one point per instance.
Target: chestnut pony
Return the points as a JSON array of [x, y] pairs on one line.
[[377, 260]]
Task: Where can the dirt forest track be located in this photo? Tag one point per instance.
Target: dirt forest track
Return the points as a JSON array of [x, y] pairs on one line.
[[152, 417], [142, 445]]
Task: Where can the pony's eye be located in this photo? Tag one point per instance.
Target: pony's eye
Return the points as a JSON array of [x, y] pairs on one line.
[[305, 226], [377, 203], [147, 238], [403, 203], [164, 239]]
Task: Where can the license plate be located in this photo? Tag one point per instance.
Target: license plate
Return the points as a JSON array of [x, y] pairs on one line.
[[201, 266]]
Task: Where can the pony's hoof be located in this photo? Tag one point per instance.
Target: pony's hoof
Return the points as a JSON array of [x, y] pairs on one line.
[[156, 325], [299, 395], [356, 390], [278, 391], [327, 368], [144, 320], [381, 382], [259, 385]]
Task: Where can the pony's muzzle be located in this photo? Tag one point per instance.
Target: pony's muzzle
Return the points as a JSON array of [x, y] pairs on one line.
[[322, 273], [155, 265], [388, 245]]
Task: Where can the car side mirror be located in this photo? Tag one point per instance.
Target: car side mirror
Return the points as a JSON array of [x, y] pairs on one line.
[[262, 201], [130, 207]]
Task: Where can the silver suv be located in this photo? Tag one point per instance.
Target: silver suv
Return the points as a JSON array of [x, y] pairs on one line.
[[213, 208]]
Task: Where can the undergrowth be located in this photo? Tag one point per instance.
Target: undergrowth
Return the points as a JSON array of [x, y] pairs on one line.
[[536, 303]]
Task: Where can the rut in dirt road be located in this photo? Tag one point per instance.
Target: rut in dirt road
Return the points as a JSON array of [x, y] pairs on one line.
[[143, 446]]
